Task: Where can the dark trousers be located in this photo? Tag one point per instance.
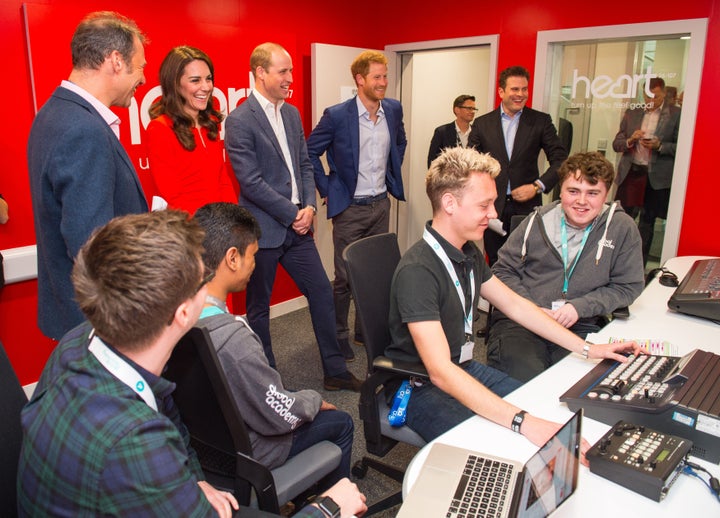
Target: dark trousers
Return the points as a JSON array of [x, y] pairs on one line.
[[335, 426], [355, 222], [655, 206], [492, 241], [521, 353], [300, 258]]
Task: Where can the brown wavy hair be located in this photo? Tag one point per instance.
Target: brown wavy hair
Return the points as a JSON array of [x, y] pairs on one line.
[[172, 103]]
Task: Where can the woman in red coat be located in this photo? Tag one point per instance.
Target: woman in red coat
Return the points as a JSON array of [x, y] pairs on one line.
[[186, 154]]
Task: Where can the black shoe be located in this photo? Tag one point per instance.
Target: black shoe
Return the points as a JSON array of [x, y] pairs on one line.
[[359, 340], [346, 350], [345, 381]]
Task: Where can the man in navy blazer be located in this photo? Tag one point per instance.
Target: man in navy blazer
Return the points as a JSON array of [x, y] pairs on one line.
[[266, 145], [80, 175], [514, 135], [457, 132], [365, 142], [647, 140]]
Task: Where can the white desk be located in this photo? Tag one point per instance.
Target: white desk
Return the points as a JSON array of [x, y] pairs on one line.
[[596, 496]]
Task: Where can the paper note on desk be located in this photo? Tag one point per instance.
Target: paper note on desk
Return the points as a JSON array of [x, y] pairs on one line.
[[651, 345]]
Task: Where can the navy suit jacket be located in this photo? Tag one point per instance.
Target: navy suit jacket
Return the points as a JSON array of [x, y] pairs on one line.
[[338, 133], [662, 161], [443, 137], [80, 178], [259, 165], [535, 132]]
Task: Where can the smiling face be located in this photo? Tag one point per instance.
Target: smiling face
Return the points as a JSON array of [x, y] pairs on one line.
[[274, 83], [372, 87], [132, 76], [515, 94], [473, 209], [581, 201], [196, 86]]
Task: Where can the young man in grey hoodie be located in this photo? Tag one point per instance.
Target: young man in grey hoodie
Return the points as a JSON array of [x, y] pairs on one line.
[[281, 422], [578, 259]]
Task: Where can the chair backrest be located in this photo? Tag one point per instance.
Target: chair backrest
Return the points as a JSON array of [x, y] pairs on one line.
[[205, 402], [371, 264], [12, 400]]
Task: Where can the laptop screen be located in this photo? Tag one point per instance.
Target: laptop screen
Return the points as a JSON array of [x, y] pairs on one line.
[[550, 476]]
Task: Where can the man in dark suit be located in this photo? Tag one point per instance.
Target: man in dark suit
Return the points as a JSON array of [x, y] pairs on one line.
[[647, 140], [365, 142], [454, 133], [266, 145], [80, 175], [514, 135]]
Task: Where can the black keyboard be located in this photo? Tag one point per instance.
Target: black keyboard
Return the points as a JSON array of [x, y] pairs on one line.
[[482, 490]]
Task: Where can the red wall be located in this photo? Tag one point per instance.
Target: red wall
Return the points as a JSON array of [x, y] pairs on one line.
[[228, 30]]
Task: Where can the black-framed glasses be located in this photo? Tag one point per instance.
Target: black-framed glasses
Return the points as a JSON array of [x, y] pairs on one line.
[[472, 108], [210, 276]]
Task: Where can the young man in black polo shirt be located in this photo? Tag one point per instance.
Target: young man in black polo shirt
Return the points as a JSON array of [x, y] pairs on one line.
[[434, 295]]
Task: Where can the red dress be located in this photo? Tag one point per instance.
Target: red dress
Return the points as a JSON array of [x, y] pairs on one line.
[[186, 179]]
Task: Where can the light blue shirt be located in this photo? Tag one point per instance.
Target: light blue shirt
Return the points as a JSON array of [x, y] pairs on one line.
[[509, 127], [374, 152]]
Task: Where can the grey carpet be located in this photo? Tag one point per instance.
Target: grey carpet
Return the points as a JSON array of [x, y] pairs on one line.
[[298, 362]]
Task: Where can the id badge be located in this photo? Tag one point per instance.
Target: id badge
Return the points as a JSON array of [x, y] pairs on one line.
[[466, 353], [557, 304]]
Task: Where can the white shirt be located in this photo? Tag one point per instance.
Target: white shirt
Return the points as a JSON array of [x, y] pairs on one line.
[[272, 112]]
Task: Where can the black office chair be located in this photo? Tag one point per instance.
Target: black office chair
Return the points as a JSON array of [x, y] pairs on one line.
[[371, 263], [12, 399], [220, 437]]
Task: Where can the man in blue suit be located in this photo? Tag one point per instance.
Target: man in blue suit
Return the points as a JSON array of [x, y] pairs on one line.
[[365, 142], [80, 175], [514, 135], [266, 145]]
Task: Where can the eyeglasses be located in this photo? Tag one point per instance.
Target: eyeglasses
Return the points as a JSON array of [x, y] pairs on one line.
[[471, 108], [210, 276]]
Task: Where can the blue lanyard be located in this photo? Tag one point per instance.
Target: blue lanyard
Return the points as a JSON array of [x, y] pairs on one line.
[[440, 252], [564, 246]]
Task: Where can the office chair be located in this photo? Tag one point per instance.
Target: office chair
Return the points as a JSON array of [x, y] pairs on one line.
[[370, 264], [12, 400], [220, 437]]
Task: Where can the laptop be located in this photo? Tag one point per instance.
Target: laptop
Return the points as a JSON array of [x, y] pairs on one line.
[[457, 482]]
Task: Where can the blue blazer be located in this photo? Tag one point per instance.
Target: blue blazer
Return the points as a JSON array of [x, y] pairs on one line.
[[260, 167], [338, 133], [80, 178], [535, 133]]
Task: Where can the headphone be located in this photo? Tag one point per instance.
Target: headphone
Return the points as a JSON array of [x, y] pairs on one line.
[[667, 278]]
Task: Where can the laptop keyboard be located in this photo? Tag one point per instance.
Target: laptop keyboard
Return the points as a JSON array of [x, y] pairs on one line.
[[482, 490]]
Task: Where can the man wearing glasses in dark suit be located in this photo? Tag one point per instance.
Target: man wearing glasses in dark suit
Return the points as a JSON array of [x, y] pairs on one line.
[[454, 133]]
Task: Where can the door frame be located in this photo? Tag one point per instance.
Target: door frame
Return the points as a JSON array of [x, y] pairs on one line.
[[697, 29]]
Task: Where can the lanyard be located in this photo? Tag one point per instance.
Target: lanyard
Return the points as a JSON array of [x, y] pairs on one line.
[[564, 245], [121, 370], [440, 252]]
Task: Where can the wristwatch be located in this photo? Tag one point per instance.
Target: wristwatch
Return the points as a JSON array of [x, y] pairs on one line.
[[312, 208], [328, 506], [538, 188], [517, 421]]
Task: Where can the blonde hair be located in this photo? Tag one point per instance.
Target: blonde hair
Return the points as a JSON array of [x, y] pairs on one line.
[[451, 170]]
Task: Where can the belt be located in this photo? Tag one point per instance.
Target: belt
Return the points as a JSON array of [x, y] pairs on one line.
[[369, 200]]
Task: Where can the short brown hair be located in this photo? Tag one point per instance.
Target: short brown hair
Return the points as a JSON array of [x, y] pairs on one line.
[[361, 64], [262, 55], [593, 167], [514, 71], [100, 33], [451, 170], [134, 272], [460, 100]]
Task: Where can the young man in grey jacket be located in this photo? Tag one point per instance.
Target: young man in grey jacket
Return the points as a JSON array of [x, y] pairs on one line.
[[578, 259], [281, 423]]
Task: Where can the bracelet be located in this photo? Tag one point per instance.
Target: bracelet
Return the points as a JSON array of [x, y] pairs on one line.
[[517, 421], [586, 349]]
